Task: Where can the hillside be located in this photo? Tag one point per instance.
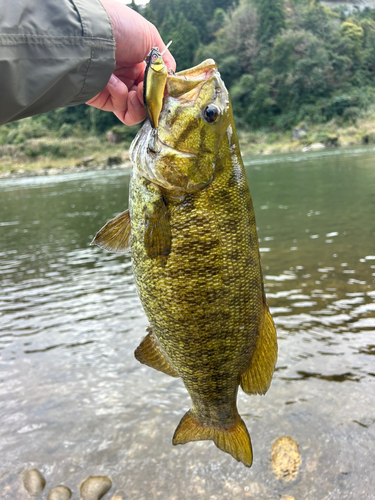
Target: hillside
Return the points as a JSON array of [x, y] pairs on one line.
[[287, 64]]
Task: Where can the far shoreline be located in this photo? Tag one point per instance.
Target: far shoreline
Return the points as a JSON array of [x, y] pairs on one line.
[[116, 157]]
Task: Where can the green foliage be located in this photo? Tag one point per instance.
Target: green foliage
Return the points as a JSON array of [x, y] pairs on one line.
[[283, 64], [318, 19], [124, 134], [271, 19], [185, 38]]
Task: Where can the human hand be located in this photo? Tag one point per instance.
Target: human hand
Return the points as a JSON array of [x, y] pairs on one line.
[[134, 37]]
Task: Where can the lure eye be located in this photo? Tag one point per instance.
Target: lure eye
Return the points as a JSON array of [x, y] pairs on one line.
[[154, 57], [210, 113]]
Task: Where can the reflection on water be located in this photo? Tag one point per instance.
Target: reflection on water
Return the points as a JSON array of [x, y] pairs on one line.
[[75, 402]]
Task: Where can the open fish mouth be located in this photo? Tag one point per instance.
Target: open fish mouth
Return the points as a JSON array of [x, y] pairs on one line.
[[169, 149], [147, 149], [149, 143]]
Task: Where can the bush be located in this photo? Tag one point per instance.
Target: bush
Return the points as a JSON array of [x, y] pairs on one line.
[[351, 114], [19, 132]]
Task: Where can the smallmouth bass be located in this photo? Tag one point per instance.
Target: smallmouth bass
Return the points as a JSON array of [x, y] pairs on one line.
[[194, 245]]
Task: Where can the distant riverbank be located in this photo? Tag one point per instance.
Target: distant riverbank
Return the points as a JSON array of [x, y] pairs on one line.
[[49, 156], [309, 138], [46, 155]]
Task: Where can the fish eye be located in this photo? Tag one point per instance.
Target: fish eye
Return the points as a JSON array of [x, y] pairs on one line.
[[210, 113]]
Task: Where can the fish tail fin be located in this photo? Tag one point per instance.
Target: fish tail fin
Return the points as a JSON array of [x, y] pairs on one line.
[[234, 439]]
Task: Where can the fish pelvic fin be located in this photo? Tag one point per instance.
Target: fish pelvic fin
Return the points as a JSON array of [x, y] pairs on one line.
[[234, 439], [257, 378], [149, 353], [115, 235]]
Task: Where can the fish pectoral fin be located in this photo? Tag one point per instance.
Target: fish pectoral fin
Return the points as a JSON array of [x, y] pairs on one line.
[[150, 354], [115, 235], [234, 439], [257, 378], [158, 236]]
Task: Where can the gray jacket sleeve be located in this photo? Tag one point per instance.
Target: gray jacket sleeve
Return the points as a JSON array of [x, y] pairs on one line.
[[53, 53]]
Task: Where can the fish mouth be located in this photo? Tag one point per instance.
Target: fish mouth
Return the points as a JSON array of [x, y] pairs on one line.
[[145, 159], [156, 147], [167, 148]]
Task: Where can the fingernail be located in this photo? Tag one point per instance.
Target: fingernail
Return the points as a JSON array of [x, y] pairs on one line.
[[113, 80]]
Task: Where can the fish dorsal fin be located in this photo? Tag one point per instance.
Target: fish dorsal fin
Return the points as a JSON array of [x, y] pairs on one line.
[[150, 354], [257, 378], [234, 440], [115, 235]]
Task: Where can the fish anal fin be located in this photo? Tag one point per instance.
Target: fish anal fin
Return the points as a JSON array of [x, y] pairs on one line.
[[150, 354], [257, 378], [234, 439], [115, 235]]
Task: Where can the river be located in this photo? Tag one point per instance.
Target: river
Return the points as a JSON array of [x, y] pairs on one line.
[[74, 401]]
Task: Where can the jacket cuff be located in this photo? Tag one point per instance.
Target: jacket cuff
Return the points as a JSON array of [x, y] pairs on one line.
[[96, 28]]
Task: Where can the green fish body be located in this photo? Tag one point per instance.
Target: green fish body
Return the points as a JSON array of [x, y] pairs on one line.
[[196, 261]]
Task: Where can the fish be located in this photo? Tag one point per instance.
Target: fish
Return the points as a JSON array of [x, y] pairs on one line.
[[154, 81], [193, 239]]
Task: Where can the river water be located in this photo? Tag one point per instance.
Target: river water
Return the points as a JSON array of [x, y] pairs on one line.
[[74, 401]]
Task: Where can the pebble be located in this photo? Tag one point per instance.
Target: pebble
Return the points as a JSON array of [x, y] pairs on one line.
[[60, 493], [286, 458], [33, 482], [95, 487]]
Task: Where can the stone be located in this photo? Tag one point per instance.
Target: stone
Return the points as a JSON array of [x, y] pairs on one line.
[[299, 132], [95, 487], [114, 160], [33, 482], [60, 493], [286, 458]]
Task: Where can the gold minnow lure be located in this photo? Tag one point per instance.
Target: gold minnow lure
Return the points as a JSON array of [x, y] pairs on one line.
[[154, 81]]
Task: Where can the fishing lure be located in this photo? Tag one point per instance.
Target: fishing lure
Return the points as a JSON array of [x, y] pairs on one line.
[[154, 81]]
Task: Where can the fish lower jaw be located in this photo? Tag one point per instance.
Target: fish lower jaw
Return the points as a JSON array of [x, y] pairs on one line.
[[166, 148]]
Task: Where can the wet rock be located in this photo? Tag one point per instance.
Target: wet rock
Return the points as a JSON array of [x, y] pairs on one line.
[[86, 160], [60, 493], [332, 142], [33, 482], [299, 132], [113, 137], [315, 146], [286, 458], [113, 160], [95, 487]]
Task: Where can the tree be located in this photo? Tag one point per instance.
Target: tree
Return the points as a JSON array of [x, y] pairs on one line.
[[134, 6], [185, 38], [271, 19]]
